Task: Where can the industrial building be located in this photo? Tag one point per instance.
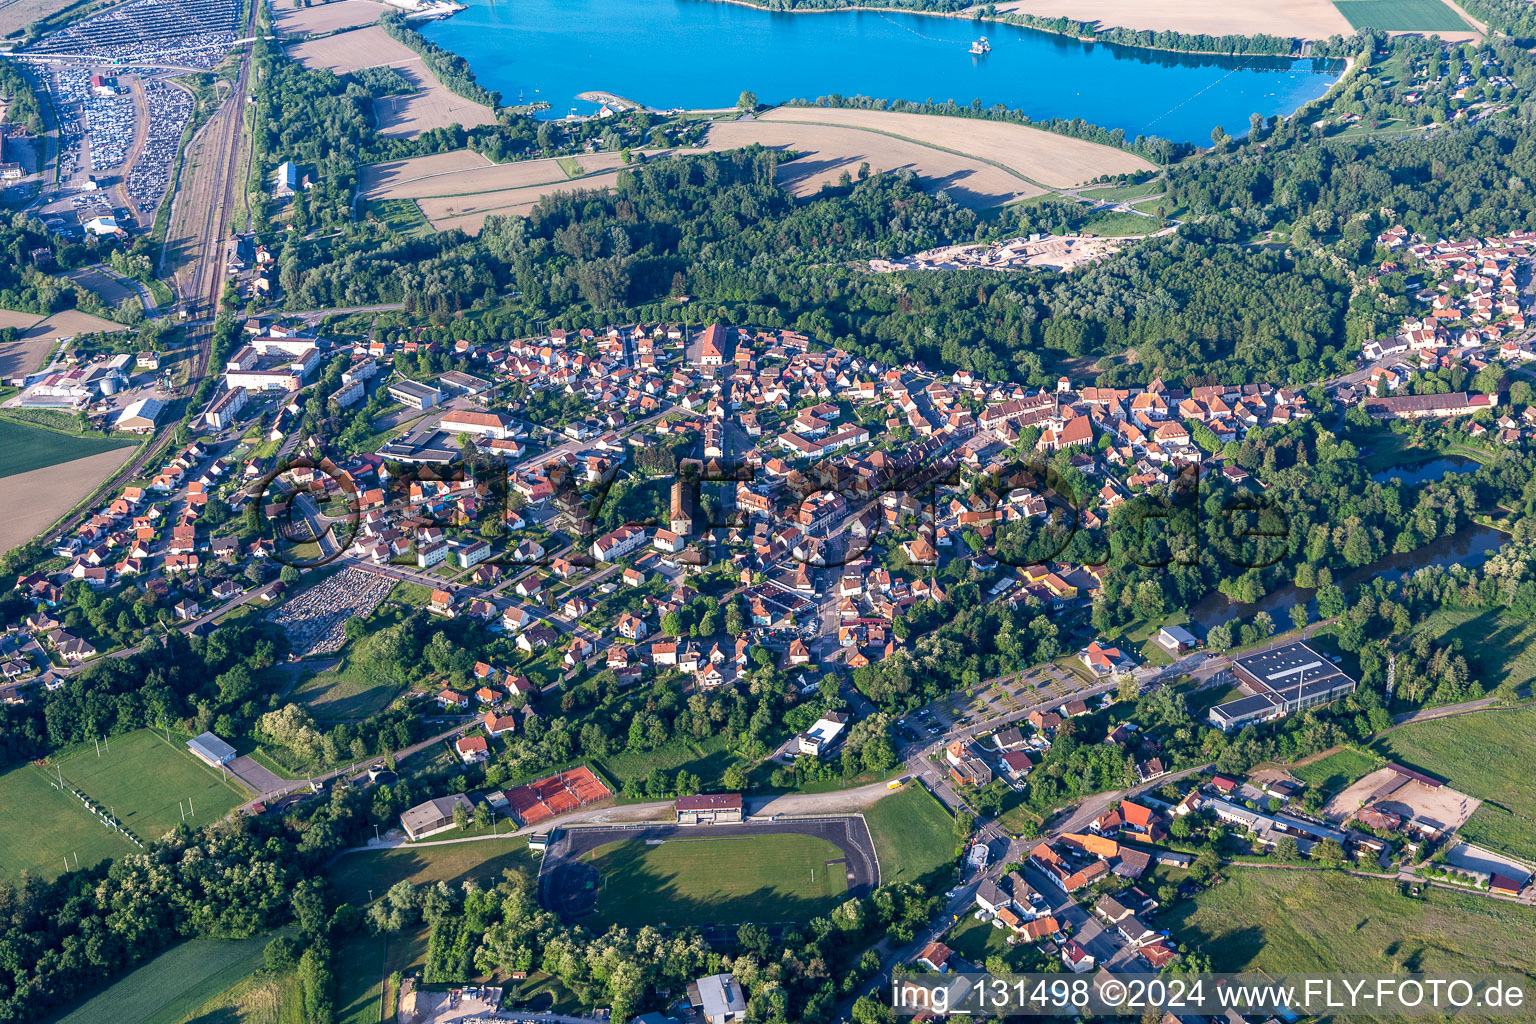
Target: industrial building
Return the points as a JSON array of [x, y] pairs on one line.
[[1278, 682]]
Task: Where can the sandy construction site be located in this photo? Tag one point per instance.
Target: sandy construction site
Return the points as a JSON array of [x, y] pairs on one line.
[[1047, 252], [1305, 19], [432, 105]]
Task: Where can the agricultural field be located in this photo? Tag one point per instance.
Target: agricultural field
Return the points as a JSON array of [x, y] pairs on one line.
[[913, 833], [1331, 774], [363, 965], [770, 877], [174, 984], [1281, 921], [828, 150], [430, 105], [146, 780], [292, 20], [981, 164], [36, 498], [1309, 19], [1486, 755], [15, 17], [1055, 161], [1402, 16], [356, 874], [468, 213], [24, 448], [346, 52]]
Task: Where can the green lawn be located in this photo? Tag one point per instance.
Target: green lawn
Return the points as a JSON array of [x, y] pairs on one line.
[[769, 878], [1401, 15], [357, 873], [976, 940], [1114, 223], [1298, 921], [1332, 773], [401, 215], [24, 448], [1120, 193], [363, 965], [1498, 647], [145, 780], [173, 984], [913, 833], [1487, 755]]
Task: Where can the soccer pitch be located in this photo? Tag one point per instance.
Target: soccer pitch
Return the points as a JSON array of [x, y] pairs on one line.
[[146, 782], [767, 878]]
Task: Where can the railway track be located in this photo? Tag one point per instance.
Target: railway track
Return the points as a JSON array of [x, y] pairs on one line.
[[210, 199]]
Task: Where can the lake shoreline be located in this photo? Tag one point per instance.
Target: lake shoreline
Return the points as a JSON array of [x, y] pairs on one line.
[[1043, 75], [1003, 20]]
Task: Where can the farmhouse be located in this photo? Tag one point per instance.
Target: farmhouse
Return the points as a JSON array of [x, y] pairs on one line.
[[433, 816], [709, 809]]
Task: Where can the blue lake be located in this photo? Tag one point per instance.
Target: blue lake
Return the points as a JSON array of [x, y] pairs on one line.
[[700, 54]]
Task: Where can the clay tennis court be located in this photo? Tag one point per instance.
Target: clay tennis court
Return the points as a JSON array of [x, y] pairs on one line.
[[555, 795]]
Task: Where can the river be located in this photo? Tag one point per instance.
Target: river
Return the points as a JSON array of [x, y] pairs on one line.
[[699, 54], [1471, 547]]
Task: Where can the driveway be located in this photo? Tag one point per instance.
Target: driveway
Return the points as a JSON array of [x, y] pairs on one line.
[[258, 778]]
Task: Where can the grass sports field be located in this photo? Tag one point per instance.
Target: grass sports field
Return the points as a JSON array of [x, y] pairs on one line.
[[40, 827], [144, 779], [913, 834], [1402, 15], [173, 984], [1326, 921], [1332, 773], [1487, 755], [141, 778], [767, 878], [356, 874], [24, 448]]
